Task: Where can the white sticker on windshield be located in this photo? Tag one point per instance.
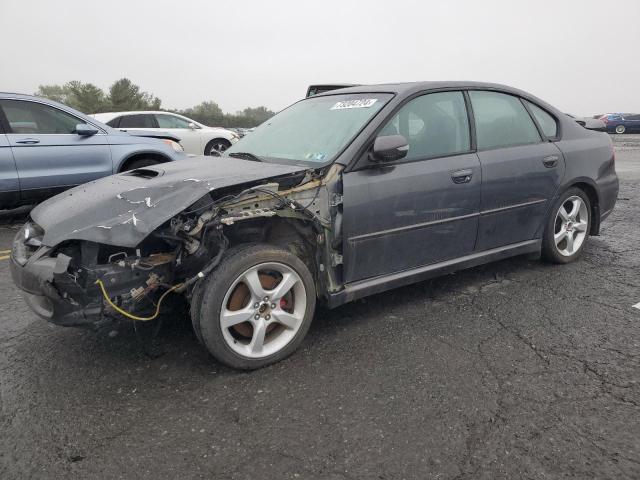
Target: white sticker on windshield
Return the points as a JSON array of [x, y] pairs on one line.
[[361, 103]]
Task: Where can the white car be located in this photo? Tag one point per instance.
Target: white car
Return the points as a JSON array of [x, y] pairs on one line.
[[195, 138]]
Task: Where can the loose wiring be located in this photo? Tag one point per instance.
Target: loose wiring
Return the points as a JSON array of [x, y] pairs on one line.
[[130, 315]]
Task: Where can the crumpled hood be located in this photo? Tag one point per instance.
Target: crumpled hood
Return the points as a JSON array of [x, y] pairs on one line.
[[123, 209]]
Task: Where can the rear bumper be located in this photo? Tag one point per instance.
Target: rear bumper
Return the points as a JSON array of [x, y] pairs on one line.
[[609, 188], [34, 279]]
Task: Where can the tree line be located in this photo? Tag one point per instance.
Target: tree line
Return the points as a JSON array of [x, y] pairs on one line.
[[124, 95]]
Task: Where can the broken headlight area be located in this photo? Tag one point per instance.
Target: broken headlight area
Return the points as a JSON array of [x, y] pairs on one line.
[[26, 242], [130, 278], [107, 280]]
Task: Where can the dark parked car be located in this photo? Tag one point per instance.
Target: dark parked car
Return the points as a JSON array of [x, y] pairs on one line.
[[621, 122], [339, 196], [46, 147]]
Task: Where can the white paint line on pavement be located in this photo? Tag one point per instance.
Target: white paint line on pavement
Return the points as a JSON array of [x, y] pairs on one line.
[[637, 305]]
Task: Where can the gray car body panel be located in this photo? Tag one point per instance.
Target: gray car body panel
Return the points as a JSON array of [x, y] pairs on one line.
[[123, 209], [8, 172]]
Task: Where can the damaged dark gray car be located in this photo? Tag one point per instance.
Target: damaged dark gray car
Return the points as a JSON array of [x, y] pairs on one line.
[[341, 195]]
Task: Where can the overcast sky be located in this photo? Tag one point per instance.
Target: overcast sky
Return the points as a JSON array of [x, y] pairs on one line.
[[583, 56]]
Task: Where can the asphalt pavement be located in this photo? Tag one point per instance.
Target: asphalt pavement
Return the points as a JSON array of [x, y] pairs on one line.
[[517, 369]]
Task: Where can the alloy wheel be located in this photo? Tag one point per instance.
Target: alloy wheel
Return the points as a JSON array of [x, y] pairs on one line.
[[571, 226], [217, 149], [263, 310]]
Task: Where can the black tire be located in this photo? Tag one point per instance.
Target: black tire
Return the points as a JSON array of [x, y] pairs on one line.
[[550, 251], [194, 309], [218, 145], [196, 299], [210, 295], [139, 163]]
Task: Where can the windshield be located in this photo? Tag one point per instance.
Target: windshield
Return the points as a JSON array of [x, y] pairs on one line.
[[314, 130]]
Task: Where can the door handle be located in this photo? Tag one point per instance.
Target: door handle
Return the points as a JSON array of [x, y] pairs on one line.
[[550, 161], [28, 141], [462, 176]]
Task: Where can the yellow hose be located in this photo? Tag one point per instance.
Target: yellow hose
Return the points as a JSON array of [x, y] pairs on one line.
[[130, 315]]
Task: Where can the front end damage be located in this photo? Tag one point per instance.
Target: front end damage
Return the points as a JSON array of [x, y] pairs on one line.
[[125, 265]]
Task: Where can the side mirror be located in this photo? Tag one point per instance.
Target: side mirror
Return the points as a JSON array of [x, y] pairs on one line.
[[389, 148], [193, 126], [85, 130]]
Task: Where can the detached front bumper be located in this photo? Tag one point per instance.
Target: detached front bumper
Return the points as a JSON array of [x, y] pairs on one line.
[[34, 279]]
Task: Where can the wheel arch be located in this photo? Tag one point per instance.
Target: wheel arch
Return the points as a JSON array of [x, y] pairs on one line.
[[132, 157], [296, 235], [589, 187]]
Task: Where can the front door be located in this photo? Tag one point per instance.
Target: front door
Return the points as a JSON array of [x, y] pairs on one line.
[[49, 155], [190, 138], [9, 185], [419, 210], [521, 171]]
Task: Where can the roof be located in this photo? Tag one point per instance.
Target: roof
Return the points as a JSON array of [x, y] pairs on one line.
[[410, 87], [135, 112]]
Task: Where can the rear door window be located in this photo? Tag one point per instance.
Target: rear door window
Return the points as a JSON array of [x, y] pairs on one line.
[[170, 121], [435, 125], [137, 121], [546, 121], [501, 121]]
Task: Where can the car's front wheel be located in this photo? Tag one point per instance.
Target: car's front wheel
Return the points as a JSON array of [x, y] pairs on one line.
[[620, 129], [256, 307], [216, 147], [568, 227]]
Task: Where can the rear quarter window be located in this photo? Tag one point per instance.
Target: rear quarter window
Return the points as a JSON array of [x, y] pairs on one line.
[[547, 122]]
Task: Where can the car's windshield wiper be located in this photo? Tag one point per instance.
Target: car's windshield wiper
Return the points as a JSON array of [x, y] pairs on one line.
[[246, 156]]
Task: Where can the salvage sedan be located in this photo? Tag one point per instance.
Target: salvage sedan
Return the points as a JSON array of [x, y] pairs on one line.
[[342, 195]]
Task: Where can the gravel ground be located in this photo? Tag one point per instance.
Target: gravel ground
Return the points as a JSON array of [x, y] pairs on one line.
[[512, 370]]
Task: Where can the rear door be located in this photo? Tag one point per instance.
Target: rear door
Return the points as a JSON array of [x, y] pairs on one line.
[[521, 169], [419, 210], [49, 155]]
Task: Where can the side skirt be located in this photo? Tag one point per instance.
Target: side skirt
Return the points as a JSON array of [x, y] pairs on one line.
[[371, 286]]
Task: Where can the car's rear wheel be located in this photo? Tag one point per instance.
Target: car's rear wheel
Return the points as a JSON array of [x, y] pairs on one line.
[[216, 147], [139, 163], [257, 306], [567, 229], [620, 129]]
